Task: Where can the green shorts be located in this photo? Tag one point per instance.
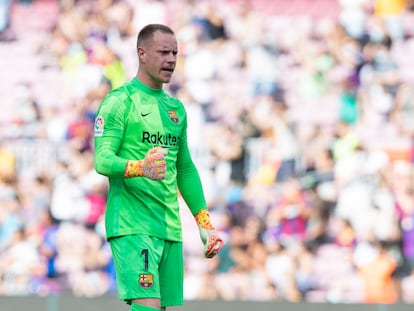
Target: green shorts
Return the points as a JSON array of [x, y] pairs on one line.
[[148, 267]]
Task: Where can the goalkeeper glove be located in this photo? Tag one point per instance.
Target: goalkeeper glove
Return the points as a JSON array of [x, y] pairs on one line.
[[212, 242], [153, 166]]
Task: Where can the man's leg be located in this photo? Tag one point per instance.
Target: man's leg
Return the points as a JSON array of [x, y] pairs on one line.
[[153, 303], [136, 306], [171, 273], [140, 307], [137, 273]]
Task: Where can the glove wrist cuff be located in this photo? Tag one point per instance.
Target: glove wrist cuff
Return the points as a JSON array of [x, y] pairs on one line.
[[134, 168], [203, 220]]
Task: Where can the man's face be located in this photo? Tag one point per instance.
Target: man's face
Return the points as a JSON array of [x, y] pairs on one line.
[[158, 58]]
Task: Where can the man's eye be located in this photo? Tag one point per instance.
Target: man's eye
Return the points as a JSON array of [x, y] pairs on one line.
[[168, 52]]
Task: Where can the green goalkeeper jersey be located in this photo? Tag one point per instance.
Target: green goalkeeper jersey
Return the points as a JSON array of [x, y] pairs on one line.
[[131, 120]]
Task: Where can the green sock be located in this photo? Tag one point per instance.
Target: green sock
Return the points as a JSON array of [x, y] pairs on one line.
[[138, 307]]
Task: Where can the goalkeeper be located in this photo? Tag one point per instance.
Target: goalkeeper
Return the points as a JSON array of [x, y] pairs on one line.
[[141, 145]]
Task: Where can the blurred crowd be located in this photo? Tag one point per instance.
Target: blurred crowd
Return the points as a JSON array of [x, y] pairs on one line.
[[302, 128]]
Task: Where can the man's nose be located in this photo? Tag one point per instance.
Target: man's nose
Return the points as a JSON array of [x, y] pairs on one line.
[[172, 58]]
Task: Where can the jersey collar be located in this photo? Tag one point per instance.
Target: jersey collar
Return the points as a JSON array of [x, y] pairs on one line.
[[146, 88]]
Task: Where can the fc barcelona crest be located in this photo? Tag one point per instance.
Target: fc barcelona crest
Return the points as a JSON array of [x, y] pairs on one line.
[[146, 280], [173, 116]]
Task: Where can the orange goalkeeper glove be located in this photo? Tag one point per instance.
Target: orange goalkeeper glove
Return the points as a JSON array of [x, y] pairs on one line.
[[153, 166], [212, 242]]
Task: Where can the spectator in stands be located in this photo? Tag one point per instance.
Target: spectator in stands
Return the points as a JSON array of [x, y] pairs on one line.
[[403, 192], [291, 213], [6, 34], [378, 277]]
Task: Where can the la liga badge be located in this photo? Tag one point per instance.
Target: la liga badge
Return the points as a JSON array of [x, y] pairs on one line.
[[99, 126]]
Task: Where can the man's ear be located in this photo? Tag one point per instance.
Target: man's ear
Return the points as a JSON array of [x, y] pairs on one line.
[[141, 53]]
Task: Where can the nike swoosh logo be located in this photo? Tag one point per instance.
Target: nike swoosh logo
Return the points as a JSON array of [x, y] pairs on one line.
[[145, 114]]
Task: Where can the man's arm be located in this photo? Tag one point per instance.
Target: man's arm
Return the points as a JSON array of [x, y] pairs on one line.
[[109, 132], [188, 180], [189, 184]]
